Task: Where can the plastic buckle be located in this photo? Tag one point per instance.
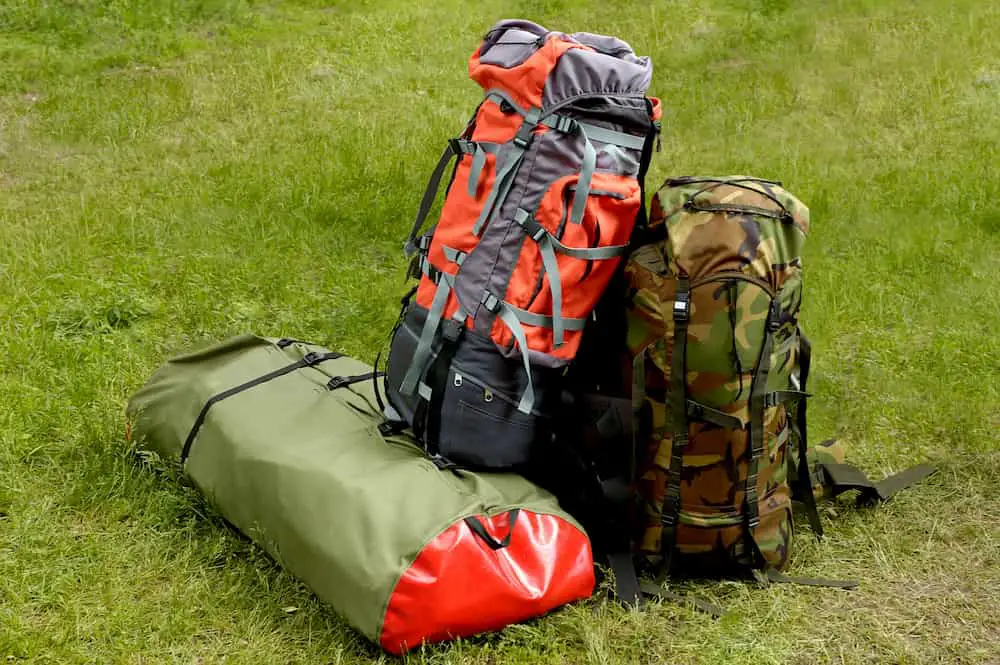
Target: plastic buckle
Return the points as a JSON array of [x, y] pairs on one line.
[[283, 342], [452, 330], [524, 135], [336, 382], [441, 462], [490, 302], [682, 307], [456, 146], [774, 316], [311, 359]]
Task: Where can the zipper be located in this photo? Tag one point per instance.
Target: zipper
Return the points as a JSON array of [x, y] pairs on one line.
[[489, 394]]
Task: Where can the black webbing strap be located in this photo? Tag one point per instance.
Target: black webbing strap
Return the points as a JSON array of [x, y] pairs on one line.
[[477, 528], [344, 381], [804, 475], [428, 412], [642, 217], [627, 590], [758, 390], [844, 477], [776, 576], [678, 421], [704, 413], [654, 590], [375, 375], [310, 359], [430, 194]]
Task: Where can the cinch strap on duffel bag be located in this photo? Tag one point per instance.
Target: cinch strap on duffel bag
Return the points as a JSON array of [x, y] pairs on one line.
[[286, 440]]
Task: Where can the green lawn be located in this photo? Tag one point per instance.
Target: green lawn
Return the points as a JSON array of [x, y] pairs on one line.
[[174, 172]]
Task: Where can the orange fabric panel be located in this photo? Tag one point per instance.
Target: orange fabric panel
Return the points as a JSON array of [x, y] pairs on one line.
[[581, 289], [457, 586], [524, 82], [657, 108]]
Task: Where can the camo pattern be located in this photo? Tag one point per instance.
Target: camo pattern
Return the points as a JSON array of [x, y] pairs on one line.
[[740, 250]]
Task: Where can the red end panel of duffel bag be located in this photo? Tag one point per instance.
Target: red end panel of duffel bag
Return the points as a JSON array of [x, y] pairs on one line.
[[460, 585]]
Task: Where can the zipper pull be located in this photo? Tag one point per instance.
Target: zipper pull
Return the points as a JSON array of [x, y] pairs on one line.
[[487, 395]]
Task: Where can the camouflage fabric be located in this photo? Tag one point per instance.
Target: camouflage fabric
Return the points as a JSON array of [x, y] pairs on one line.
[[737, 241]]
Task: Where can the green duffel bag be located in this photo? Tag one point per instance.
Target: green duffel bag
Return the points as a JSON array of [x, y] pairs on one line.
[[285, 438]]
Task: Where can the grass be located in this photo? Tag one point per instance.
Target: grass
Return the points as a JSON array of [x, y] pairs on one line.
[[173, 173]]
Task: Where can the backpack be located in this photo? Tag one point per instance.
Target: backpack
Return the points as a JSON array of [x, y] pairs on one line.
[[720, 366], [538, 214]]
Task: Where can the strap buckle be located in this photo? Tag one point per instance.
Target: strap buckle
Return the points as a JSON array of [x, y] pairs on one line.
[[774, 316], [452, 330], [490, 302], [312, 359], [337, 382], [525, 134], [682, 307]]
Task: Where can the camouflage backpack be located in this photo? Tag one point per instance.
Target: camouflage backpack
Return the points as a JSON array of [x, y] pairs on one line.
[[719, 379]]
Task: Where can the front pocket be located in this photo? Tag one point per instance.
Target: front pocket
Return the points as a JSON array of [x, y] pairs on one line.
[[482, 428]]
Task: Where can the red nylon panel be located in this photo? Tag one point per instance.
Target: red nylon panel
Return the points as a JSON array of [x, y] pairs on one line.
[[524, 82], [581, 289], [457, 586]]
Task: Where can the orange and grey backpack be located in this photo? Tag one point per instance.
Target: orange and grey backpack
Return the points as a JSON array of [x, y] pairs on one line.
[[539, 212]]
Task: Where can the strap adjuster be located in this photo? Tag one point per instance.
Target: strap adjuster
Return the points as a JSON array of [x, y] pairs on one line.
[[524, 135], [682, 307], [311, 359], [336, 382], [564, 124], [774, 316], [452, 330], [490, 302]]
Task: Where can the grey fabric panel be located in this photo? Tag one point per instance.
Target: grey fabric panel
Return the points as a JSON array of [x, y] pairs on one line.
[[581, 72], [610, 46], [511, 49]]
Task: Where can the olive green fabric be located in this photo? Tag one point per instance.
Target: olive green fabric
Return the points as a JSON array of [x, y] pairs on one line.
[[304, 472]]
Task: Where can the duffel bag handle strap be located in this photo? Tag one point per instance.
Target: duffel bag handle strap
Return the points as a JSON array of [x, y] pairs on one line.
[[477, 527]]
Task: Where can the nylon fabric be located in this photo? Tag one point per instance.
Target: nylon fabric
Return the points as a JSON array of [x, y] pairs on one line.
[[422, 353], [586, 174], [509, 317], [305, 473]]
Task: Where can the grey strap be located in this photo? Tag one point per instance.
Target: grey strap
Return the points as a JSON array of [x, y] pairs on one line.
[[509, 317], [555, 286], [453, 255], [586, 174], [495, 94], [590, 253], [538, 232], [545, 321], [423, 351], [505, 176], [478, 161], [424, 391], [479, 151], [613, 137]]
